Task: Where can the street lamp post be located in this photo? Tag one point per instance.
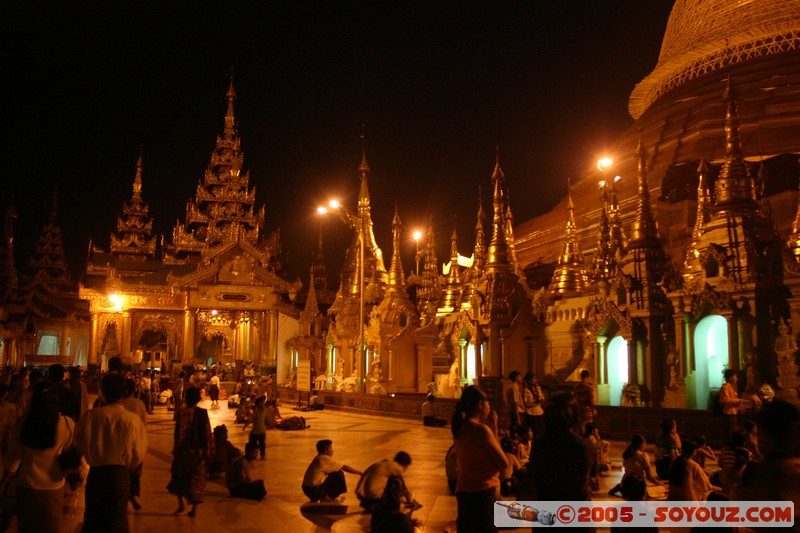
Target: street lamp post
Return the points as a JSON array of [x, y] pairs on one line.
[[417, 237], [350, 219]]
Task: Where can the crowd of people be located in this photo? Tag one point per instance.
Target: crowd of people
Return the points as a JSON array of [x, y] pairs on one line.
[[561, 456], [550, 449]]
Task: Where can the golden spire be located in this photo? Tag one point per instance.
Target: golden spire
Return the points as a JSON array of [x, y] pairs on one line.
[[396, 276], [793, 243], [734, 188], [428, 293], [691, 265], [396, 308], [569, 278], [137, 181], [363, 173], [645, 229], [230, 121], [453, 285], [498, 246], [311, 308]]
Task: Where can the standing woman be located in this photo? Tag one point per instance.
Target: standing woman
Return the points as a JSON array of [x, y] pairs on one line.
[[193, 445], [480, 460], [38, 440], [177, 395]]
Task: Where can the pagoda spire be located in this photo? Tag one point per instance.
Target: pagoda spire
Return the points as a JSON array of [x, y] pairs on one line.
[[230, 119], [396, 304], [569, 278], [453, 284], [617, 241], [793, 242], [645, 259], [396, 276], [476, 271], [428, 293], [498, 246], [645, 229], [603, 263], [9, 281], [133, 239], [691, 265], [48, 262], [734, 188], [363, 173]]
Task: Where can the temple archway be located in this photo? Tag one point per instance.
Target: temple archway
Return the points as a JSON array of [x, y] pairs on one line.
[[617, 356], [711, 357]]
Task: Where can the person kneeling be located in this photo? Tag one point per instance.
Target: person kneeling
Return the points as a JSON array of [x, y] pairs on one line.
[[324, 477], [238, 479]]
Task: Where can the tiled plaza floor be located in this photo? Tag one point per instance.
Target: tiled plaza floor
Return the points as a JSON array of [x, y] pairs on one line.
[[359, 440]]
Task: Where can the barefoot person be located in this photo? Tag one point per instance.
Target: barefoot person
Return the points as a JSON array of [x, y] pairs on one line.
[[324, 478], [193, 445]]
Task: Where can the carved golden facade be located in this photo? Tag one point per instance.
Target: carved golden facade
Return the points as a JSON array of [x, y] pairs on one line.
[[214, 292]]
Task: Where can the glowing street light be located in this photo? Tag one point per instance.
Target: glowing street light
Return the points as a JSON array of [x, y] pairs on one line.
[[605, 163]]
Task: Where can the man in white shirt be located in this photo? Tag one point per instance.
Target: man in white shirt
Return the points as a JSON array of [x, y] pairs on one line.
[[429, 417], [373, 483], [113, 441], [324, 477]]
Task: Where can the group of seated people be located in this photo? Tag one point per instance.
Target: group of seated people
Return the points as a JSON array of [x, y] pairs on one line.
[[381, 489], [229, 461], [681, 464]]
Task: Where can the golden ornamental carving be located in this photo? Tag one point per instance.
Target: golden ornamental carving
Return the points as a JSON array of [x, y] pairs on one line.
[[708, 299], [601, 312]]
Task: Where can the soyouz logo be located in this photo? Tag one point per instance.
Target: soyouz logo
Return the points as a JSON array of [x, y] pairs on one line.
[[639, 514]]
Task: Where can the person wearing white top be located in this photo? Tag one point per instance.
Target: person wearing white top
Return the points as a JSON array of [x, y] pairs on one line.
[[113, 441], [324, 477], [37, 441]]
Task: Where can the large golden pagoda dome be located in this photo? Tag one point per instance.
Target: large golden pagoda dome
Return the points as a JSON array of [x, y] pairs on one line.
[[707, 35]]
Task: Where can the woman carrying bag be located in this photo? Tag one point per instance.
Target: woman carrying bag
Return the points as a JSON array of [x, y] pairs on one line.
[[38, 442]]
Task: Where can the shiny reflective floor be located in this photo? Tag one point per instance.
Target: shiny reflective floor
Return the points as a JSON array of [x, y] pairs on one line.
[[358, 441]]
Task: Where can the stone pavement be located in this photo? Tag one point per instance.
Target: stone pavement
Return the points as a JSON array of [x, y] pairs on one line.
[[358, 440]]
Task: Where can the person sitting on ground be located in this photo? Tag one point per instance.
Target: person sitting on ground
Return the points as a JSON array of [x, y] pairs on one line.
[[237, 477], [703, 452], [387, 516], [687, 481], [371, 486], [324, 477], [224, 452], [428, 414], [525, 437], [636, 463], [244, 413], [634, 489], [314, 403], [752, 439], [273, 416], [727, 475], [508, 476]]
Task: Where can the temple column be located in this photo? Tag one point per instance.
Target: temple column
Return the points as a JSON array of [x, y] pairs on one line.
[[126, 336], [189, 325], [633, 358], [272, 357], [479, 352], [94, 340], [462, 358], [736, 340], [682, 343], [602, 362]]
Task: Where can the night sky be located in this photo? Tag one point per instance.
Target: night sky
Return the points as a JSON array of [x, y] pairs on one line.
[[438, 84]]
